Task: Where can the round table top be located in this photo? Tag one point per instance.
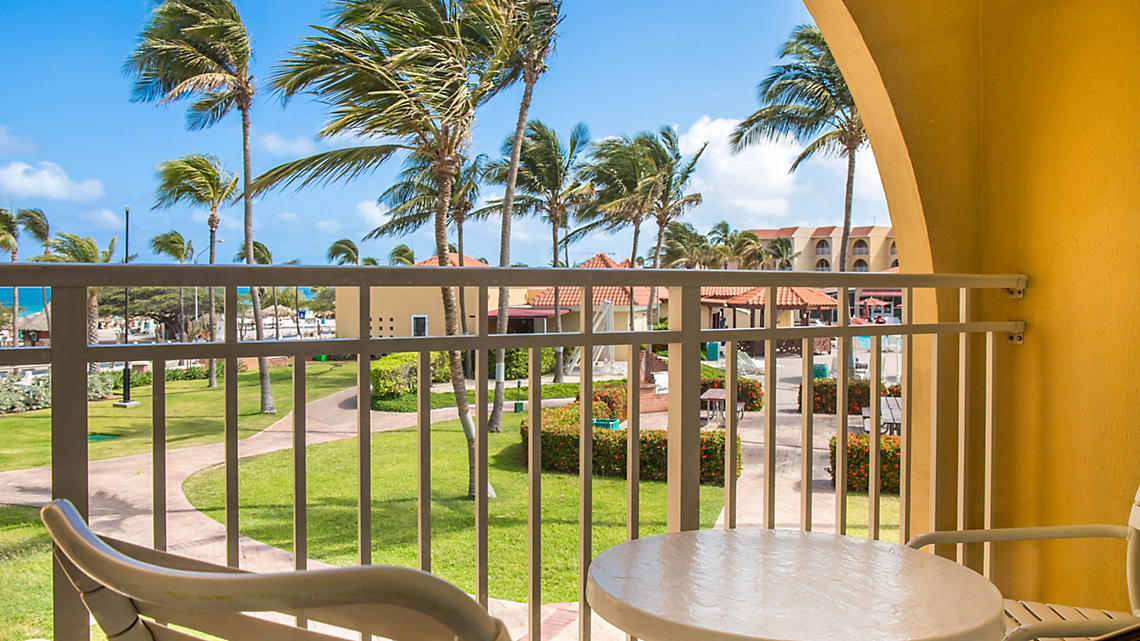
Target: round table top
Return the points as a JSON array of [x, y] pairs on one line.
[[785, 585]]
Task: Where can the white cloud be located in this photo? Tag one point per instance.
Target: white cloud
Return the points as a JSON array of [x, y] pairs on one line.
[[47, 180], [371, 212], [868, 184], [279, 145], [743, 188], [11, 145], [106, 218], [328, 225], [287, 217]]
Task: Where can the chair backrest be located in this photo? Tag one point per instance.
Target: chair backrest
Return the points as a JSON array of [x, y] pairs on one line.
[[1133, 557], [392, 602]]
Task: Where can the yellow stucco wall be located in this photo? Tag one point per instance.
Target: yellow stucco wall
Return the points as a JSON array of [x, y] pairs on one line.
[[1007, 138]]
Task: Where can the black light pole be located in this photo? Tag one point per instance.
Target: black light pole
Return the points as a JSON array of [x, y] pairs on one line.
[[126, 402]]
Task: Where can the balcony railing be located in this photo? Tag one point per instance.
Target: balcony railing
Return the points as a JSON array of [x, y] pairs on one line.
[[70, 353]]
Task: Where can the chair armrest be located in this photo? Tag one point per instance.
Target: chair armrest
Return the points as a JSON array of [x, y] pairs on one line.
[[1131, 633], [1020, 534], [1067, 629]]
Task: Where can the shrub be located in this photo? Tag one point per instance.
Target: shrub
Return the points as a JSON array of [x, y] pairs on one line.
[[858, 395], [859, 461], [195, 373], [560, 435], [440, 368], [99, 385], [393, 375], [516, 362], [748, 391], [20, 398], [613, 395]]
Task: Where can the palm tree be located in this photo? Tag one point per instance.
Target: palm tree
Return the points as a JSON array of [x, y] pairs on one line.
[[70, 248], [548, 185], [808, 98], [200, 49], [743, 247], [200, 181], [411, 205], [35, 222], [781, 251], [345, 252], [672, 175], [10, 242], [401, 255], [411, 74], [626, 184], [535, 22], [172, 244], [686, 247], [262, 256]]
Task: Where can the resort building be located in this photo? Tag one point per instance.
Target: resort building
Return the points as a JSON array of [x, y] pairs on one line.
[[871, 248]]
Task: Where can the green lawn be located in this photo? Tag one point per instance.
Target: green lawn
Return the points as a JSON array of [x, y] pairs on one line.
[[407, 402], [857, 508], [195, 415], [266, 508]]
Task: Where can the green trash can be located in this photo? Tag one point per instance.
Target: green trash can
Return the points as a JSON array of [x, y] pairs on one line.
[[712, 351], [819, 370], [321, 358]]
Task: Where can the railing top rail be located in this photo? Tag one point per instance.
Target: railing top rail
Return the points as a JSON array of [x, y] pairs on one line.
[[141, 275]]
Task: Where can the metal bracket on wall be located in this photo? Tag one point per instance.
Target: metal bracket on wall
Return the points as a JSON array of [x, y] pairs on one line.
[[1018, 290], [1017, 339]]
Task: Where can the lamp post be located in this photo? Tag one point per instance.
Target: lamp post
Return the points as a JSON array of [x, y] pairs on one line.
[[126, 402]]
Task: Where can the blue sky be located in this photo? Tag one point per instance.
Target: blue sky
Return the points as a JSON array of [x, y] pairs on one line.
[[73, 144]]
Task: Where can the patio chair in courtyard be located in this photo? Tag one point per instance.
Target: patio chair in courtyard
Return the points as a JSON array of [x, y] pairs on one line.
[[1026, 620], [121, 584]]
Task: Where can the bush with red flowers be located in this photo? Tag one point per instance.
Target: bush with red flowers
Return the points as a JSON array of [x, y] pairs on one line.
[[859, 463], [560, 440], [858, 395], [748, 391]]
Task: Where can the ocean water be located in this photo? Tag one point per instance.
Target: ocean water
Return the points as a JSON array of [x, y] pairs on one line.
[[32, 301]]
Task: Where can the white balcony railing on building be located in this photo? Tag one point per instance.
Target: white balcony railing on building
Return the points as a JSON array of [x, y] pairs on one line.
[[70, 353]]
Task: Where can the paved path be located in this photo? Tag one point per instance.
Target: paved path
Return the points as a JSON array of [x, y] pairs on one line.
[[120, 497]]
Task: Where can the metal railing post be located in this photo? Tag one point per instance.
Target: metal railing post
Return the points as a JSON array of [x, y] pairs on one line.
[[68, 441], [684, 444]]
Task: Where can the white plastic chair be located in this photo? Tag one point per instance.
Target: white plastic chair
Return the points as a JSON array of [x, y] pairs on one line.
[[388, 601], [1026, 620]]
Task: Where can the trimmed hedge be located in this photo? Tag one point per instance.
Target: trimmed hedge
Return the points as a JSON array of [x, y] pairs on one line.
[[516, 363], [859, 463], [858, 395], [37, 394], [395, 374], [560, 432], [748, 391], [142, 379]]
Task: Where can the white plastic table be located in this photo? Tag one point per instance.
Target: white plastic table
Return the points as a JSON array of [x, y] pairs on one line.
[[768, 585]]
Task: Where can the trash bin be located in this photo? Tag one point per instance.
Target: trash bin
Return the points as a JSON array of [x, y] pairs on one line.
[[712, 351], [819, 370], [607, 423], [321, 357]]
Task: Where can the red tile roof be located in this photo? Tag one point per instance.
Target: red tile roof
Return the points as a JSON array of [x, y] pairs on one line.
[[713, 294], [767, 234], [861, 231], [572, 296], [823, 231], [786, 297], [453, 258]]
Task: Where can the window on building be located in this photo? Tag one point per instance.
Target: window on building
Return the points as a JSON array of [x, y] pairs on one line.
[[894, 250], [822, 265], [895, 263], [860, 265], [823, 247], [419, 325], [860, 248]]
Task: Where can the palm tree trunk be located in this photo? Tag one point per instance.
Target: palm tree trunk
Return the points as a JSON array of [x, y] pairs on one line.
[[632, 262], [657, 265], [462, 294], [92, 332], [182, 314], [451, 328], [847, 210], [15, 307], [212, 380], [47, 310], [505, 247], [558, 355], [267, 404], [276, 317]]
